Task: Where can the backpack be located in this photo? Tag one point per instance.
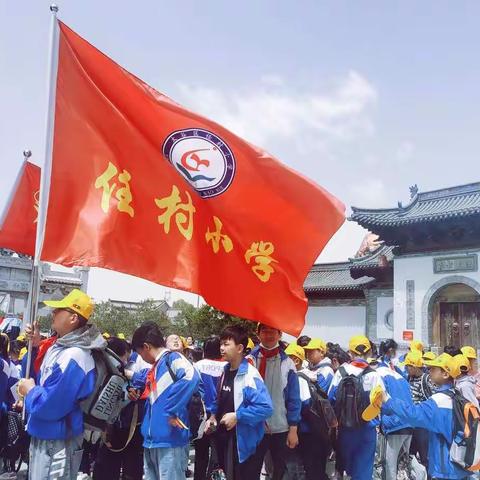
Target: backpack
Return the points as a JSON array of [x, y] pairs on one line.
[[14, 441], [102, 407], [319, 415], [350, 399], [465, 448], [197, 414]]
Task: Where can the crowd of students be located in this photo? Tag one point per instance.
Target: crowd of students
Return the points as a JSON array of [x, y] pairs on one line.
[[288, 412]]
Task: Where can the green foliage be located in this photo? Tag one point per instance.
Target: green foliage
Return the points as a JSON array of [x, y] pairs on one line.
[[114, 320]]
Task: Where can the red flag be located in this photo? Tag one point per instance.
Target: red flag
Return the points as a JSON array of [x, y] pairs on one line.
[[143, 186], [18, 228]]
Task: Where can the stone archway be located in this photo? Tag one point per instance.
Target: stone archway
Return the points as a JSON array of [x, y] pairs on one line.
[[430, 297]]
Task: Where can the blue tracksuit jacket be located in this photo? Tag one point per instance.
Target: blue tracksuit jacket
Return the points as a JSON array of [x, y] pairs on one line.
[[397, 387], [167, 399], [253, 406], [434, 415], [210, 373], [67, 376]]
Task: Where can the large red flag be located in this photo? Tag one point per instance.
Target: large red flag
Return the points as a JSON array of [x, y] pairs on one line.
[[18, 227], [143, 186]]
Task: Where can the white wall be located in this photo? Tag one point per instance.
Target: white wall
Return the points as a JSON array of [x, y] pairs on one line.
[[420, 269], [384, 304], [335, 324]]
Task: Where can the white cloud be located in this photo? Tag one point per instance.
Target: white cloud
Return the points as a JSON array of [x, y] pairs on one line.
[[370, 192], [404, 152], [309, 119]]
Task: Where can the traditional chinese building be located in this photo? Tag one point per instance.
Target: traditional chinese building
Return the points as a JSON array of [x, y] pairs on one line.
[[15, 275], [416, 276]]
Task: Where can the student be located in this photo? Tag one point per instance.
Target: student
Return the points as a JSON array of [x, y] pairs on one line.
[[240, 410], [211, 369], [421, 388], [397, 432], [434, 415], [312, 451], [465, 383], [320, 365], [67, 376], [124, 435], [279, 374], [471, 354], [165, 424], [356, 443]]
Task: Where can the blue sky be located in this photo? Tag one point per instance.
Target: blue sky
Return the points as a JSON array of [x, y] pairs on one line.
[[365, 97]]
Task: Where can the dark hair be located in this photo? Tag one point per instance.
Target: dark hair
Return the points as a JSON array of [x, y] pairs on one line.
[[211, 347], [335, 351], [82, 321], [236, 333], [452, 350], [196, 353], [118, 346], [4, 343], [262, 325], [386, 345], [303, 341], [373, 349], [148, 332], [16, 346]]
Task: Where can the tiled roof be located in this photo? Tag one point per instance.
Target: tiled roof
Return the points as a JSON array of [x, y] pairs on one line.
[[373, 259], [332, 277], [454, 202]]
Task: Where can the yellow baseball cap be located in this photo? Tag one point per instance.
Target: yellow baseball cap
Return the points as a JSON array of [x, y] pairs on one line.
[[414, 359], [359, 344], [372, 361], [316, 344], [447, 363], [462, 363], [21, 337], [105, 335], [76, 300], [250, 343], [469, 352], [429, 356], [376, 400], [416, 345], [121, 336], [296, 351]]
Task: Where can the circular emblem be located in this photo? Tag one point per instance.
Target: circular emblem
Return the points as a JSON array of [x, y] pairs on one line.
[[202, 158]]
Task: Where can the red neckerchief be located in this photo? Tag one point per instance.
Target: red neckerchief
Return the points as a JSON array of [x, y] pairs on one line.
[[42, 351], [151, 382], [263, 361], [359, 363]]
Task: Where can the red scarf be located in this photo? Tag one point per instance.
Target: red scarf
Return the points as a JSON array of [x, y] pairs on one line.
[[263, 361], [42, 351], [151, 382]]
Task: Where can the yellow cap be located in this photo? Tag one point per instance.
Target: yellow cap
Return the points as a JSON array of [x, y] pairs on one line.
[[414, 359], [184, 342], [296, 351], [250, 343], [21, 337], [76, 300], [359, 344], [372, 361], [429, 356], [105, 335], [121, 336], [469, 352], [316, 344], [416, 345], [376, 400], [462, 363], [447, 363]]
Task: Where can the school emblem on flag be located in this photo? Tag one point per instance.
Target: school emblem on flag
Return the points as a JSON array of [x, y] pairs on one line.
[[202, 158]]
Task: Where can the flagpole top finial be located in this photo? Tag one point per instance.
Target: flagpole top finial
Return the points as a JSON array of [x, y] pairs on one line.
[[54, 8], [27, 154]]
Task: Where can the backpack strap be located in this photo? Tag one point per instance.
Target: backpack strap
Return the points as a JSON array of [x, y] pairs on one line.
[[133, 425], [343, 372], [169, 366], [305, 377]]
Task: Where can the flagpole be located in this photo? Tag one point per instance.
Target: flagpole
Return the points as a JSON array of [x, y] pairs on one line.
[[45, 175]]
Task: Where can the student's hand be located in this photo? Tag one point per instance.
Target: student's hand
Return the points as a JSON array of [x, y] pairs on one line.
[[33, 333], [229, 420], [292, 437], [210, 425], [25, 385], [176, 422], [18, 405], [134, 394]]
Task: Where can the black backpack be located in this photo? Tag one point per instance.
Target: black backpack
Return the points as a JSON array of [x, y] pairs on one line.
[[197, 414], [319, 415], [14, 441], [103, 406], [350, 399]]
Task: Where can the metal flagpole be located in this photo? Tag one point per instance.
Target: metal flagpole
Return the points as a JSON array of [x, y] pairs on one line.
[[45, 176]]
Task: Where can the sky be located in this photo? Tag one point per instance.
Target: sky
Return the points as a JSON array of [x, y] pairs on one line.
[[364, 97]]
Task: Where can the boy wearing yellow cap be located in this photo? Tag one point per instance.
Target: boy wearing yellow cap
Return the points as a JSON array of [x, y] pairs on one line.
[[66, 376], [471, 354], [465, 382], [436, 416], [319, 366], [356, 444]]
